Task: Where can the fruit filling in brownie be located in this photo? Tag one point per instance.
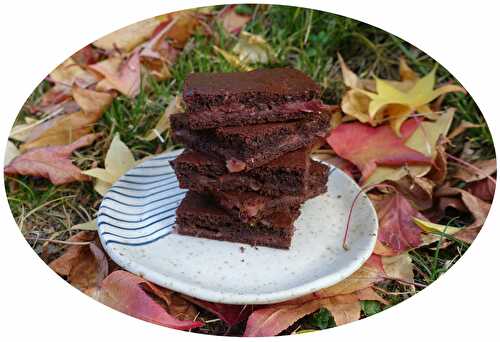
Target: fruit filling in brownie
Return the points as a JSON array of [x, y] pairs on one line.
[[248, 147], [199, 216]]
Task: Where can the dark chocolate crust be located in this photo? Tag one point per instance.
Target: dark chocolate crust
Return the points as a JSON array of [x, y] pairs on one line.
[[203, 91], [283, 176], [248, 147], [199, 216]]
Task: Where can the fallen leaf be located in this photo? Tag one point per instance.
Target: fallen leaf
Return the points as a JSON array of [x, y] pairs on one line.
[[11, 152], [369, 147], [399, 267], [128, 37], [69, 73], [122, 74], [63, 264], [52, 162], [232, 21], [430, 227], [228, 313], [184, 26], [119, 159], [424, 140], [87, 55], [405, 72], [174, 106], [232, 59], [461, 128], [124, 292], [439, 169], [476, 171], [351, 80], [85, 265], [483, 189], [396, 227], [418, 190], [52, 99], [382, 250], [21, 132], [253, 49], [87, 226], [92, 102], [477, 207], [389, 101], [61, 130], [174, 303]]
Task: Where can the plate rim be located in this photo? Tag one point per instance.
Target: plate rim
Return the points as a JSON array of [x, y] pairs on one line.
[[198, 291]]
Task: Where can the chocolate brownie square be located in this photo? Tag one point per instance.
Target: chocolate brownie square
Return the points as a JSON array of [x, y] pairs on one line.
[[283, 176], [199, 216], [248, 147], [259, 89], [248, 206]]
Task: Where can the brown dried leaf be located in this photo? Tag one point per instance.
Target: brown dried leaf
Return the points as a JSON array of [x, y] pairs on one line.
[[121, 74], [232, 21]]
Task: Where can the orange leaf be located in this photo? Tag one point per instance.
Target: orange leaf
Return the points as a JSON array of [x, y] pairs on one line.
[[51, 162], [123, 291]]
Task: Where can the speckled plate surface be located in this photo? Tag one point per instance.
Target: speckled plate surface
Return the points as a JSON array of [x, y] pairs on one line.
[[136, 226]]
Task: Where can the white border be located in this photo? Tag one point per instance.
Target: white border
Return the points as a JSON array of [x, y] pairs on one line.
[[37, 35]]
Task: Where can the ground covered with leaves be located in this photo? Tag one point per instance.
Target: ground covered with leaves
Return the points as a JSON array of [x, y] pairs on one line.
[[404, 129]]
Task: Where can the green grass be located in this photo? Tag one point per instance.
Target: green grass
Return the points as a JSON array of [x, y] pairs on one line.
[[305, 39]]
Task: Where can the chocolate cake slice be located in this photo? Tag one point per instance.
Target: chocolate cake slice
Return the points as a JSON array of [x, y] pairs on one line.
[[248, 147], [248, 206], [283, 176], [255, 89], [199, 216]]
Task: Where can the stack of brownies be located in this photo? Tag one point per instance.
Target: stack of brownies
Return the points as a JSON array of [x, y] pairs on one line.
[[247, 163]]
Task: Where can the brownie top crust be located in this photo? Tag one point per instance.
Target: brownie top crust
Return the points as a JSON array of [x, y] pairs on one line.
[[277, 81]]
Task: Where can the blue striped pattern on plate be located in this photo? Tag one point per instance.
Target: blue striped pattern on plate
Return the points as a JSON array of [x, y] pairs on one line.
[[140, 207]]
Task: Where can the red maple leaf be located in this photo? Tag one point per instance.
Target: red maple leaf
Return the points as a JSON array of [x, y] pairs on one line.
[[368, 147], [396, 227]]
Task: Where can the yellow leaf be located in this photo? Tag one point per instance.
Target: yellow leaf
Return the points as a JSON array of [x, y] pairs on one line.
[[11, 152], [90, 225], [128, 37], [119, 159], [232, 59], [399, 266], [398, 104], [253, 49], [164, 122], [405, 72], [69, 73], [430, 227], [60, 130], [21, 132], [424, 140], [92, 102]]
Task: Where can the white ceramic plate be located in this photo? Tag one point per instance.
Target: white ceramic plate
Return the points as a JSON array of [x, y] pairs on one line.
[[136, 226]]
